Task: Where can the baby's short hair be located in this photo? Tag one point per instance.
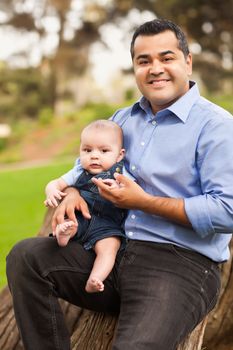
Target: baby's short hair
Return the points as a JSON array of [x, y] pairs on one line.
[[105, 124]]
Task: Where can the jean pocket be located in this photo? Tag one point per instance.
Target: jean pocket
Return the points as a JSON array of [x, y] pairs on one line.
[[192, 257]]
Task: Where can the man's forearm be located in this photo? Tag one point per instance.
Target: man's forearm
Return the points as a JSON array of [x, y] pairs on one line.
[[131, 196], [169, 208]]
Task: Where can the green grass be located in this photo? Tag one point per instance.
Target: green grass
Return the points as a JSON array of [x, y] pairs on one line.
[[21, 205]]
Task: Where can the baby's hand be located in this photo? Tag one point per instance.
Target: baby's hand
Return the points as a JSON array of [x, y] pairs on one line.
[[53, 198], [111, 183]]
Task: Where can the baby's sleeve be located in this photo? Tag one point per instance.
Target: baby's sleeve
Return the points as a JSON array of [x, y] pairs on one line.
[[72, 175]]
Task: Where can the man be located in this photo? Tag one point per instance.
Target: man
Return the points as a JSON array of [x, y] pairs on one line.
[[179, 150]]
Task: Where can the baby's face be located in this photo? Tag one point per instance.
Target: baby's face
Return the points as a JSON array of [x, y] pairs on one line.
[[100, 149]]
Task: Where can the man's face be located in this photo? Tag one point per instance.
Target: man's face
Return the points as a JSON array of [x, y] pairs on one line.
[[161, 70]]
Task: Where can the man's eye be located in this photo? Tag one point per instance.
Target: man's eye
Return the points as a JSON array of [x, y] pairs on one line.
[[142, 62], [166, 59]]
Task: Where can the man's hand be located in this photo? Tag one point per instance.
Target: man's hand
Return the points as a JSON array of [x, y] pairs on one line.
[[73, 201], [126, 195]]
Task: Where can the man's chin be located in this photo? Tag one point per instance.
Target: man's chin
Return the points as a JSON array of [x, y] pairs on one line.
[[159, 103]]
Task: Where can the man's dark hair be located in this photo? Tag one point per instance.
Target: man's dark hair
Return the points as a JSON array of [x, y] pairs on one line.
[[158, 26]]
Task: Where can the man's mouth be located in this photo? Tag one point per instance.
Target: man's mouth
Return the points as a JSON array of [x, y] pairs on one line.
[[158, 82]]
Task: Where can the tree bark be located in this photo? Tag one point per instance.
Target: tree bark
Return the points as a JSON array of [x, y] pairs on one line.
[[219, 330], [95, 331]]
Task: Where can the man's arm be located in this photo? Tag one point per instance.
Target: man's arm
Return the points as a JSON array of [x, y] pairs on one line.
[[131, 196]]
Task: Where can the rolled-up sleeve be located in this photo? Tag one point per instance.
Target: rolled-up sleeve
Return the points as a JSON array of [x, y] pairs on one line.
[[212, 211], [72, 175], [198, 214]]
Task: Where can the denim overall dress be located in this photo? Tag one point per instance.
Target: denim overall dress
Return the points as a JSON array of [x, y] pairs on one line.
[[106, 219]]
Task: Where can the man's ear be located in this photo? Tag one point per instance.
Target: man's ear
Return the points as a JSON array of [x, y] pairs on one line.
[[189, 63]]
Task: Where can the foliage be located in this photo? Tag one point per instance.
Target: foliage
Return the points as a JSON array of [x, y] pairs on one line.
[[3, 143], [45, 115], [97, 110], [225, 101], [23, 92]]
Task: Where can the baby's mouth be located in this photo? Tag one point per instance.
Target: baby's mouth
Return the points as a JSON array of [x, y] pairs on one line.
[[95, 165]]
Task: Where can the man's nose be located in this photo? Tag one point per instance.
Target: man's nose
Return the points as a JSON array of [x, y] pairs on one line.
[[156, 67]]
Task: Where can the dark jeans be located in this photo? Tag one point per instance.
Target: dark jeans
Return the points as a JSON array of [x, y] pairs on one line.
[[165, 292]]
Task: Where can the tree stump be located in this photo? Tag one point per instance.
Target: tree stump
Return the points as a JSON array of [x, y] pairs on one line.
[[219, 330], [95, 331]]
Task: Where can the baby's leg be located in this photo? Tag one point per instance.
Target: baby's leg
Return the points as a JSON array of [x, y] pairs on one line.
[[106, 250], [65, 231]]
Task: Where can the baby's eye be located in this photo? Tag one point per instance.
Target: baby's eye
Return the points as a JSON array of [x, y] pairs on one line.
[[87, 150], [105, 150]]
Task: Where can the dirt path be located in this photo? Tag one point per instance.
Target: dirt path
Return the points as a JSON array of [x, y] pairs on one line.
[[33, 163]]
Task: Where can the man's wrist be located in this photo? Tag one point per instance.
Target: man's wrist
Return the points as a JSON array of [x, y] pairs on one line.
[[147, 203], [71, 189]]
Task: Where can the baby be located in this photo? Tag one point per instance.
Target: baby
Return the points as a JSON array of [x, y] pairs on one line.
[[101, 155]]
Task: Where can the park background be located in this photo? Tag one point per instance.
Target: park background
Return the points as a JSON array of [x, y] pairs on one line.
[[64, 63]]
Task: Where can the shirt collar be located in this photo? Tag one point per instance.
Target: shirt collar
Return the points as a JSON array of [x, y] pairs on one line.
[[180, 108]]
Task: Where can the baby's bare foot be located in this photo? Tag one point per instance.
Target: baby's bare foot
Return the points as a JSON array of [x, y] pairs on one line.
[[65, 231], [94, 285]]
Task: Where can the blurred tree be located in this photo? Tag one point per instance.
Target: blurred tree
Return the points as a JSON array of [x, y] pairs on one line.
[[76, 30], [73, 25], [23, 93]]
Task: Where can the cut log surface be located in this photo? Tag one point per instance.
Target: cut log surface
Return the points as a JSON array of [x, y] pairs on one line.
[[95, 331]]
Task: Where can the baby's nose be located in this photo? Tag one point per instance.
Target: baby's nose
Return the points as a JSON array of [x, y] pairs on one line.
[[94, 154]]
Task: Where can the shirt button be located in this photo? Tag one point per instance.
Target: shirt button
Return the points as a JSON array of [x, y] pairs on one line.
[[130, 233], [133, 167], [133, 216], [153, 122], [142, 143]]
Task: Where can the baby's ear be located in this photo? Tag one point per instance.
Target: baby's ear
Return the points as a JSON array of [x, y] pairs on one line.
[[121, 155]]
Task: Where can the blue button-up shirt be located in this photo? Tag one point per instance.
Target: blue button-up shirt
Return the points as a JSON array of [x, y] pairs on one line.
[[184, 151]]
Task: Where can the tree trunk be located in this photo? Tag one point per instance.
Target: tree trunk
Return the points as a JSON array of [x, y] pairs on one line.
[[94, 331]]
